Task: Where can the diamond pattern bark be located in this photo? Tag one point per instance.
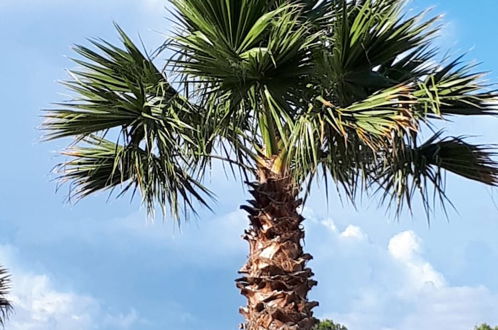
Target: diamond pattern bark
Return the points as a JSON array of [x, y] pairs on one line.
[[275, 278]]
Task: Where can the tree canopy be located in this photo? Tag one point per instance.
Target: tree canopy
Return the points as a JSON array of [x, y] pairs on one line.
[[485, 326], [335, 90], [329, 325]]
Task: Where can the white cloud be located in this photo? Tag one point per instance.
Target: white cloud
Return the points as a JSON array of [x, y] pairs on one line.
[[39, 305], [329, 224], [451, 308], [353, 232], [389, 285], [405, 247]]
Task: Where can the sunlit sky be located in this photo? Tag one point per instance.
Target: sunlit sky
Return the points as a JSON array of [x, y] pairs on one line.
[[100, 264]]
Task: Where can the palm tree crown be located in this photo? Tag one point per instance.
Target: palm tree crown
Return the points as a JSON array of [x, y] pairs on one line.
[[340, 88]]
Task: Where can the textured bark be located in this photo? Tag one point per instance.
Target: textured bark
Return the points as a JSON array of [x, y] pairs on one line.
[[275, 278]]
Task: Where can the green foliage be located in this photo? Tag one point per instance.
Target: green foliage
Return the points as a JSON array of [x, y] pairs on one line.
[[329, 325], [325, 89], [121, 88], [485, 327]]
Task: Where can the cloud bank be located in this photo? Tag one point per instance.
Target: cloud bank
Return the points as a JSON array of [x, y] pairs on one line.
[[373, 285], [40, 305]]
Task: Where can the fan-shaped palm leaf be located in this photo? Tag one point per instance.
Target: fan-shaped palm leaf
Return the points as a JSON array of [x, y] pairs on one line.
[[122, 94]]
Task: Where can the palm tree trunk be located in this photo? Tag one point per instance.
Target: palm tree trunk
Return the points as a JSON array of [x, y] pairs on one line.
[[275, 279]]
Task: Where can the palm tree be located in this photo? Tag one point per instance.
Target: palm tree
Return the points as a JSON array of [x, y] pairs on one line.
[[5, 305], [286, 93]]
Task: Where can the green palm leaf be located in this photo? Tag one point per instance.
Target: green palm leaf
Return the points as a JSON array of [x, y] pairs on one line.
[[122, 94], [410, 169], [101, 164], [455, 90]]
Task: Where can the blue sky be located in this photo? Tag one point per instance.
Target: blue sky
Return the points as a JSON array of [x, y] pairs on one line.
[[102, 265]]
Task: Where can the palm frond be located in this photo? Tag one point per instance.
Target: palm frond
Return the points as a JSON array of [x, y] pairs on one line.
[[5, 305], [453, 154], [157, 148], [454, 89], [117, 88], [248, 56], [376, 118], [101, 165], [410, 169], [372, 123], [317, 151], [364, 50], [236, 45]]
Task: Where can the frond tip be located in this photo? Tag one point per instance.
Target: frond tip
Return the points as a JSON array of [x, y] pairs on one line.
[[410, 169], [453, 154], [103, 165]]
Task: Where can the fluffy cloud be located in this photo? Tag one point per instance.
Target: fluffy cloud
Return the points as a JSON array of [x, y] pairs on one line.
[[353, 232], [39, 305], [389, 285], [405, 248]]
